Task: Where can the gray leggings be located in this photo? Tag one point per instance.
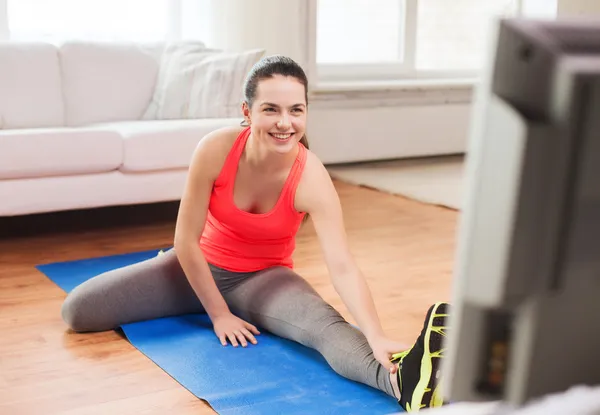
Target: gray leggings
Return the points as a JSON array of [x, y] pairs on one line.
[[276, 299]]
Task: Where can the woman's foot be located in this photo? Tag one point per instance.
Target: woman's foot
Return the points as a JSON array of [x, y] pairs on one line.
[[418, 376]]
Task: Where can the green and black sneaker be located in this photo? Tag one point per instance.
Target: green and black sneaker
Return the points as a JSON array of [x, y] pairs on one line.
[[419, 368]]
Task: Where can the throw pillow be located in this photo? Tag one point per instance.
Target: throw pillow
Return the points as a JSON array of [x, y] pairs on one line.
[[196, 82]]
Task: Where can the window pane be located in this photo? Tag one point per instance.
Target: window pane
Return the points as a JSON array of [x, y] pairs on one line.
[[540, 9], [56, 20], [358, 31], [452, 35]]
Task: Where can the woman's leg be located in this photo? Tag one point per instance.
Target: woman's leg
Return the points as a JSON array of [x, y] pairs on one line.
[[150, 289], [283, 303]]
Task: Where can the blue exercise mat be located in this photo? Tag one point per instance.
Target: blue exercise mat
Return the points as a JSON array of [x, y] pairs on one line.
[[276, 376]]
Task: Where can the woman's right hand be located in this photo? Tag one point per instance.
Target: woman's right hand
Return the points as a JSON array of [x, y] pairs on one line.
[[229, 326]]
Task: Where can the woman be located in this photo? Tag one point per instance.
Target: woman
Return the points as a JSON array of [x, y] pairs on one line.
[[247, 193]]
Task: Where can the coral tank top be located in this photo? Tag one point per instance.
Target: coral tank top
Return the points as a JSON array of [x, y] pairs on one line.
[[239, 241]]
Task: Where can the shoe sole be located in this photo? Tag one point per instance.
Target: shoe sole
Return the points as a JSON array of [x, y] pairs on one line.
[[431, 359]]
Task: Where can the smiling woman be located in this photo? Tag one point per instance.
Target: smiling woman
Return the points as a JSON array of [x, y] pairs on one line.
[[293, 96], [248, 190]]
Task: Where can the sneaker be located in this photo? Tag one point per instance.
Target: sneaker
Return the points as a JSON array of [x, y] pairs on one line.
[[418, 372]]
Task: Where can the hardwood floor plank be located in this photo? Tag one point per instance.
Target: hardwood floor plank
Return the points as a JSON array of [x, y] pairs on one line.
[[161, 402]]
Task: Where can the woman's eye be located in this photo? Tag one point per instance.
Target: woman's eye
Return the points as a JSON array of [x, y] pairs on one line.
[[269, 109]]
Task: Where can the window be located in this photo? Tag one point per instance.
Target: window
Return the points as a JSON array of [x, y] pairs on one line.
[[101, 20], [359, 32], [363, 39]]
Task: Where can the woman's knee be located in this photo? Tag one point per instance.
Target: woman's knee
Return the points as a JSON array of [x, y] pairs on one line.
[[80, 314], [141, 291], [72, 312]]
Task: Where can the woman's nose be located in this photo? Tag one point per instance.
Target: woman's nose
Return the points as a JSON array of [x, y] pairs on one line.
[[284, 121]]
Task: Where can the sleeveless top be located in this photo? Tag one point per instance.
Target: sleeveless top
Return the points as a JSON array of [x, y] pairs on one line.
[[240, 241]]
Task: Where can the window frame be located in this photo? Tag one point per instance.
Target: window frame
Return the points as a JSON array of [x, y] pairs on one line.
[[386, 70], [402, 70], [4, 34]]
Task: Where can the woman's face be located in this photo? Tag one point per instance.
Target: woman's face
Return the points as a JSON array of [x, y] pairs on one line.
[[278, 114]]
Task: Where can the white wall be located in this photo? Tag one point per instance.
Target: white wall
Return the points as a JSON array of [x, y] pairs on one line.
[[365, 125], [342, 135], [275, 25], [576, 8]]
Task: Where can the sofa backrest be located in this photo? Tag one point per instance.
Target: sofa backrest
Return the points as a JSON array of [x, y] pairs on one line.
[[30, 86], [107, 81], [76, 83]]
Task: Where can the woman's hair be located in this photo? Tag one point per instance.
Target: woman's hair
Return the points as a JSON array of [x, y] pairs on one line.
[[266, 68]]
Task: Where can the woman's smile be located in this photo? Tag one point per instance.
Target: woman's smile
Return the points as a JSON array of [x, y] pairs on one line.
[[282, 137]]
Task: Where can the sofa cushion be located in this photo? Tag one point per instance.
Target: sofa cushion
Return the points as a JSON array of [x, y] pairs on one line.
[[49, 194], [107, 81], [58, 151], [160, 145], [30, 86]]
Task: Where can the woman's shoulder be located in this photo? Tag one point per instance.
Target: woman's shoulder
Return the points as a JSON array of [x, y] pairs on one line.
[[220, 140], [314, 170], [314, 182], [212, 149]]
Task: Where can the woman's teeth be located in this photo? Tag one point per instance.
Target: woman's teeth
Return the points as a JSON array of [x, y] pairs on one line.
[[281, 136]]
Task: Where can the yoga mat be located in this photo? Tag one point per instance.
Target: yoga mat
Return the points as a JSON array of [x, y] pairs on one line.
[[276, 376]]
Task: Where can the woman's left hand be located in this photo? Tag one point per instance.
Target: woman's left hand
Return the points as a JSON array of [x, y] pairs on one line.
[[383, 349]]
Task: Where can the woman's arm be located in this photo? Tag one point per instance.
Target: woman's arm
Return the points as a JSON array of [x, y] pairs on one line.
[[317, 196], [191, 218], [207, 161]]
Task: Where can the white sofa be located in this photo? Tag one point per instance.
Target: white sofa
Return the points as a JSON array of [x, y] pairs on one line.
[[73, 130]]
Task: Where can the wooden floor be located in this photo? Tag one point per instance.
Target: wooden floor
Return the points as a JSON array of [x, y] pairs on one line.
[[405, 249]]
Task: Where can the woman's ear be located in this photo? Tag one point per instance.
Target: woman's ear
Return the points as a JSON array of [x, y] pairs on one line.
[[246, 112]]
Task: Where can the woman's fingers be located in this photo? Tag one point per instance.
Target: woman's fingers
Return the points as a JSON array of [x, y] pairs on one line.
[[249, 336], [223, 339], [232, 339], [252, 328], [240, 335], [241, 338]]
